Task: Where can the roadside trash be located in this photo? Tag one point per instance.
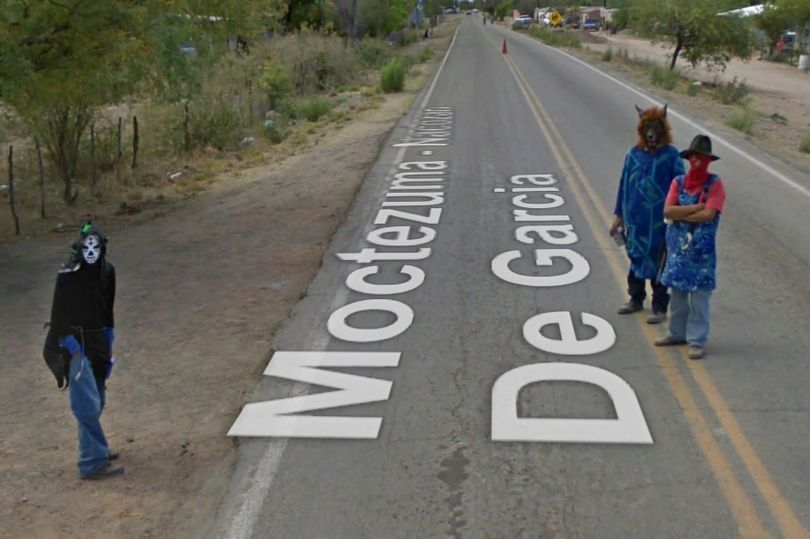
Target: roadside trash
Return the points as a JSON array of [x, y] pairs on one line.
[[248, 141]]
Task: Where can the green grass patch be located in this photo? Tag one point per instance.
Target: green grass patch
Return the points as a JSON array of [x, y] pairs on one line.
[[392, 76], [664, 77], [742, 121], [555, 38], [732, 93], [693, 88], [312, 109], [607, 56], [804, 146], [778, 118]]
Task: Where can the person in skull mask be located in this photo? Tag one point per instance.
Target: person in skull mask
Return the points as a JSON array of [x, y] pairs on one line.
[[78, 348], [646, 176]]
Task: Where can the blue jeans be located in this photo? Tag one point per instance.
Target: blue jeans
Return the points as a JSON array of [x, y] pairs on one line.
[[690, 316], [86, 403]]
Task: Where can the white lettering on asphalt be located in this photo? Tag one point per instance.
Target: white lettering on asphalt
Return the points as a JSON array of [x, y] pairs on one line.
[[568, 344], [543, 258], [357, 281], [283, 417], [339, 327], [434, 127], [629, 427]]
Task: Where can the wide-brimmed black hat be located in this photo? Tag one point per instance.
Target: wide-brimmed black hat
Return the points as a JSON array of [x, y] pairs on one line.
[[702, 145]]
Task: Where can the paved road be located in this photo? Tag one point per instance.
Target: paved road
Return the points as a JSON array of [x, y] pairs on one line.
[[626, 440]]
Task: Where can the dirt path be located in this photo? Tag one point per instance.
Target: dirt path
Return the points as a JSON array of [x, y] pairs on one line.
[[201, 292]]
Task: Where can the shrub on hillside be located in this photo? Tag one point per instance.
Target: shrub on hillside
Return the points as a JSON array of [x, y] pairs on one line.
[[804, 146], [392, 76], [276, 83], [734, 92], [663, 77], [373, 52], [312, 109], [742, 121]]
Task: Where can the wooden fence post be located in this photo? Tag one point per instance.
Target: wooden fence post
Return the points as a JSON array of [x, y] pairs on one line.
[[186, 129], [119, 155], [11, 190], [93, 158], [135, 142], [41, 179]]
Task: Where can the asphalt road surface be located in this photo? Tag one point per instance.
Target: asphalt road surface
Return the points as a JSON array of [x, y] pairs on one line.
[[486, 386]]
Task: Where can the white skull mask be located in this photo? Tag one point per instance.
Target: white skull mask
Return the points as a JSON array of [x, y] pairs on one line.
[[91, 249]]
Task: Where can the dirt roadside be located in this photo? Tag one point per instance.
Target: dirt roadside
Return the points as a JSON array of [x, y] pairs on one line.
[[202, 287]]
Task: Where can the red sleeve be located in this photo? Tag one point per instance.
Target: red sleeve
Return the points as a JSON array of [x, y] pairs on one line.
[[717, 197], [672, 196]]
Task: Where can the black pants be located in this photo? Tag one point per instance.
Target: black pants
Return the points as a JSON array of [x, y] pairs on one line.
[[637, 289]]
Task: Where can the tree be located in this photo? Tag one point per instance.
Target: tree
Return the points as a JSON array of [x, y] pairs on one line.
[[695, 29], [782, 15], [60, 61]]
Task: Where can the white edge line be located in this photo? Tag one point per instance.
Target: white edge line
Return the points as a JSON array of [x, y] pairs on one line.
[[776, 174], [253, 499]]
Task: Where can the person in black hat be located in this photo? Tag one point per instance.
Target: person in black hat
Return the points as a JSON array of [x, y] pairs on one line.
[[693, 206], [78, 349]]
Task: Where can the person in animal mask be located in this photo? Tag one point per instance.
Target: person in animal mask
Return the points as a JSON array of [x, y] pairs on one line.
[[78, 349], [649, 168]]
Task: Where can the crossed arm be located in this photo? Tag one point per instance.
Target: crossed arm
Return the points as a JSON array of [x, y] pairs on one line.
[[693, 213]]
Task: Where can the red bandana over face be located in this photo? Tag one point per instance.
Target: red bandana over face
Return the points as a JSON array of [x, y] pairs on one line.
[[698, 171]]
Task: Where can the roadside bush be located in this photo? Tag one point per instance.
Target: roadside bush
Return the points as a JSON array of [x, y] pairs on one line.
[[693, 88], [425, 55], [277, 127], [212, 123], [607, 56], [392, 76], [312, 109], [276, 83], [372, 52], [742, 121], [555, 39], [663, 77], [804, 146], [317, 62], [731, 93]]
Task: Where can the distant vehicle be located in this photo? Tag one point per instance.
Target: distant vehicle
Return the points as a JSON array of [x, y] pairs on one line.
[[590, 25], [524, 21], [451, 10], [572, 22], [475, 10]]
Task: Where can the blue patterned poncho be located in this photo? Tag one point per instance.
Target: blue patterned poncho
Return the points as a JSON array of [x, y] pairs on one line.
[[643, 188]]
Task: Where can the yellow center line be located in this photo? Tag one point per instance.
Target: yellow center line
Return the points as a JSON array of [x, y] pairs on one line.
[[748, 521], [790, 526]]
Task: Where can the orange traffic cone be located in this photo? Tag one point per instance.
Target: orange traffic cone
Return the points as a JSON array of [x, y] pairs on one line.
[[503, 48]]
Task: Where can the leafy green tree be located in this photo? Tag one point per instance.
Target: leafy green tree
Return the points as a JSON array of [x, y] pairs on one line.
[[782, 15], [381, 17], [60, 61], [695, 29]]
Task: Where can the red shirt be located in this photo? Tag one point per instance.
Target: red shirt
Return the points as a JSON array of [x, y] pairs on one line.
[[716, 199]]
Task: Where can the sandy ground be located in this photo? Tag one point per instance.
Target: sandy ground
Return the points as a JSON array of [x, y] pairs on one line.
[[201, 291]]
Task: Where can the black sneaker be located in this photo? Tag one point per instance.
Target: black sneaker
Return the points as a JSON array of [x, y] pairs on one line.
[[630, 307], [108, 470], [114, 456]]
